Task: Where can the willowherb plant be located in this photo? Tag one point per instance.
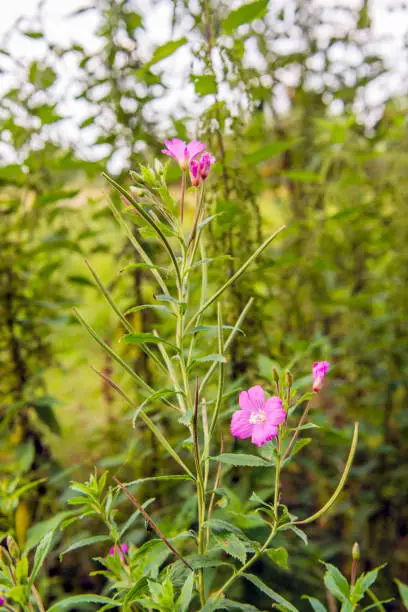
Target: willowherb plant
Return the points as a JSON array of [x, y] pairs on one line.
[[184, 359], [177, 573]]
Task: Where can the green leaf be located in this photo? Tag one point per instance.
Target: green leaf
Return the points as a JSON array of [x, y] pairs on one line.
[[12, 173], [157, 307], [205, 84], [160, 394], [142, 266], [39, 557], [299, 444], [244, 14], [279, 556], [403, 591], [166, 50], [315, 603], [158, 478], [268, 151], [19, 594], [84, 542], [33, 34], [142, 337], [241, 459], [336, 582], [219, 526], [50, 197], [46, 414], [299, 532], [270, 593], [302, 176], [71, 602], [233, 546], [186, 595], [214, 357], [363, 583]]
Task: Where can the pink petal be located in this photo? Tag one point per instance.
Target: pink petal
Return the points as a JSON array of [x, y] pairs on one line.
[[240, 425], [274, 411], [244, 401], [194, 148], [257, 397], [263, 432], [177, 148]]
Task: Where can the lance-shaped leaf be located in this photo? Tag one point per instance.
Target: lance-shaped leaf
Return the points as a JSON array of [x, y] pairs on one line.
[[235, 277]]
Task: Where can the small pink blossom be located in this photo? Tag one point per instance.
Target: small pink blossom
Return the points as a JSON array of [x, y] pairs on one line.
[[183, 153], [258, 419], [200, 168], [319, 372], [121, 550], [206, 162], [195, 172], [2, 600]]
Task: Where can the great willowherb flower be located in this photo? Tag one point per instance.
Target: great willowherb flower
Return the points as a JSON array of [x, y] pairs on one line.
[[195, 172], [258, 419], [206, 161], [2, 600], [200, 168], [182, 152], [121, 550], [319, 372]]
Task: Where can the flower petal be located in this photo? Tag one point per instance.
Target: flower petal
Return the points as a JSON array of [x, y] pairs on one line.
[[274, 411], [176, 149], [244, 401], [257, 397], [240, 425], [194, 148], [263, 432]]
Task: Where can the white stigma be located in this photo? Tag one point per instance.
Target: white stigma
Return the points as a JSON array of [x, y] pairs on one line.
[[258, 417]]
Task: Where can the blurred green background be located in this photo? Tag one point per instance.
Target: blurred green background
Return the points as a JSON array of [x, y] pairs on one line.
[[304, 106]]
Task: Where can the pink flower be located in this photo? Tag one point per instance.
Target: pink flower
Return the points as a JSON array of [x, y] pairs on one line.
[[2, 600], [183, 152], [206, 162], [200, 168], [121, 550], [258, 419], [195, 172], [319, 372]]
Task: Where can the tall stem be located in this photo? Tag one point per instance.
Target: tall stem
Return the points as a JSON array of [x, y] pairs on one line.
[[269, 539], [183, 191]]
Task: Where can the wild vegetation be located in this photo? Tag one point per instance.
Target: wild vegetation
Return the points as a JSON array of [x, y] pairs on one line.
[[202, 462]]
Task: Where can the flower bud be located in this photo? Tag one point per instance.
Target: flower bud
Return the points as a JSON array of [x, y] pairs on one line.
[[289, 378], [356, 552], [5, 558], [275, 375], [13, 548]]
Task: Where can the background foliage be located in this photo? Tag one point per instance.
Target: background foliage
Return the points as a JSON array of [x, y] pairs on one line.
[[280, 94]]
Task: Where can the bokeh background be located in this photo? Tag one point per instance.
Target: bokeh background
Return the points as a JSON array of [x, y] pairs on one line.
[[304, 105]]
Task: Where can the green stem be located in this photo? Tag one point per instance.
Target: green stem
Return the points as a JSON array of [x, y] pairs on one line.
[[340, 486], [297, 430], [182, 194], [269, 539]]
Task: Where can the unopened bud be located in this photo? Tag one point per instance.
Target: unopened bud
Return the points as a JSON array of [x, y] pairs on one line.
[[5, 558], [275, 375], [13, 548], [356, 551], [139, 192], [289, 378]]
